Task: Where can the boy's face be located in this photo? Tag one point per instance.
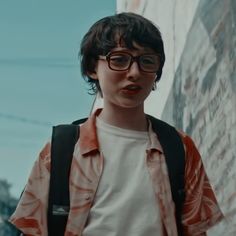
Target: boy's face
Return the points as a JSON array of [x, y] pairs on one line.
[[130, 87]]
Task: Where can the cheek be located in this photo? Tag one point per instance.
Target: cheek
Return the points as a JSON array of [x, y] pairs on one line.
[[107, 82], [150, 81], [110, 78]]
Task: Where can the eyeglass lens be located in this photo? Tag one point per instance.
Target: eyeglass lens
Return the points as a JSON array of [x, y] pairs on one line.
[[122, 61]]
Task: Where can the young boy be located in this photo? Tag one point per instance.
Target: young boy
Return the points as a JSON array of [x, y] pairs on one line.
[[119, 184]]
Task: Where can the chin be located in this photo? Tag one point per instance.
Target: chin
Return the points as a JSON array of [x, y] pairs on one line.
[[129, 105]]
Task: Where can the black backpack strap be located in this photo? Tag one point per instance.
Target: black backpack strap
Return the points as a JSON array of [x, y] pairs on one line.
[[63, 141], [64, 138], [80, 121], [173, 148]]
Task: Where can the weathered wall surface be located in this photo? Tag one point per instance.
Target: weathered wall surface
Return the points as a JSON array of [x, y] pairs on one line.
[[200, 41], [203, 99]]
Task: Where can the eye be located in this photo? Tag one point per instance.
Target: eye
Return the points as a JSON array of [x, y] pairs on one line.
[[149, 59], [119, 59]]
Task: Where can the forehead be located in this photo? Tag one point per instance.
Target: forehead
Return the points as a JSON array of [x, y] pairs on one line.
[[136, 48], [131, 42]]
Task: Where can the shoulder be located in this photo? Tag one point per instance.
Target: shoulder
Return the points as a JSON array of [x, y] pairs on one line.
[[44, 157], [201, 210], [191, 150], [194, 168], [187, 140], [31, 211]]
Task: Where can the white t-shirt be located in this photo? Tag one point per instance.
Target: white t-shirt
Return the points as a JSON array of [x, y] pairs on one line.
[[124, 204]]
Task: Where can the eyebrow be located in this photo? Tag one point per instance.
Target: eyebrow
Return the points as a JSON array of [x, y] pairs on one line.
[[142, 51]]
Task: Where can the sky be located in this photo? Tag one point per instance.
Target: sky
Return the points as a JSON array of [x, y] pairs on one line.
[[40, 80]]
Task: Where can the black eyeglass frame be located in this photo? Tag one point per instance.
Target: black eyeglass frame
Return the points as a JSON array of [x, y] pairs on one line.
[[133, 59]]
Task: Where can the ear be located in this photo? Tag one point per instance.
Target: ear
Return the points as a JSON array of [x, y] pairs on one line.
[[93, 75]]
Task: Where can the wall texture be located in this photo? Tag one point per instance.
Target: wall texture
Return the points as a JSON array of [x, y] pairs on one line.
[[201, 50], [202, 101]]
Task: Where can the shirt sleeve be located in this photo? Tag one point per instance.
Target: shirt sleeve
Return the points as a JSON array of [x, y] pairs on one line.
[[200, 209], [30, 216]]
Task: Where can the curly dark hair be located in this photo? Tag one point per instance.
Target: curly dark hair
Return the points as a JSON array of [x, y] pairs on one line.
[[109, 32]]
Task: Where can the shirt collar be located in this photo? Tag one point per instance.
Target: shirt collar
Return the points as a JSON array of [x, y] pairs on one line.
[[88, 141], [154, 143]]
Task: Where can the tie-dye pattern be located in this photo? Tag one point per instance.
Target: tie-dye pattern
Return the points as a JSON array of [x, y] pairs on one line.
[[200, 208]]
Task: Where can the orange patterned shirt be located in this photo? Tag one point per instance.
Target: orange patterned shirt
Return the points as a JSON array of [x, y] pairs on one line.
[[200, 209]]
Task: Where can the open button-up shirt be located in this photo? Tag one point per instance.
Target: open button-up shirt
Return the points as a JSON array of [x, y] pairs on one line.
[[200, 209]]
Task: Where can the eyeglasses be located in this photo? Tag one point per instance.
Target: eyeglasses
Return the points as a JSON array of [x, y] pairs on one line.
[[122, 61]]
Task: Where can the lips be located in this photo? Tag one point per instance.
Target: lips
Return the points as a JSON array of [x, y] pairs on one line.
[[131, 89]]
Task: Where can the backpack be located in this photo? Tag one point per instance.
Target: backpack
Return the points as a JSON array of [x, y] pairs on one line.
[[64, 138]]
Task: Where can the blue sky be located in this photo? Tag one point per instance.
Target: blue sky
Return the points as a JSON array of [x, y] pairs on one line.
[[40, 81]]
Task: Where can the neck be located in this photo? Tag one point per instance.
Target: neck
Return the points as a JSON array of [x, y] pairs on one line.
[[127, 118]]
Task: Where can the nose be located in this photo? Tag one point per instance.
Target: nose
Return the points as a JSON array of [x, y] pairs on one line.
[[134, 72]]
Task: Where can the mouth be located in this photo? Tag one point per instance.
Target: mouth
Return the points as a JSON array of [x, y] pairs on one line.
[[131, 89]]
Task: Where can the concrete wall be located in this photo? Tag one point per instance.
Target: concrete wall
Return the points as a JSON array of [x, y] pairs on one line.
[[198, 87]]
